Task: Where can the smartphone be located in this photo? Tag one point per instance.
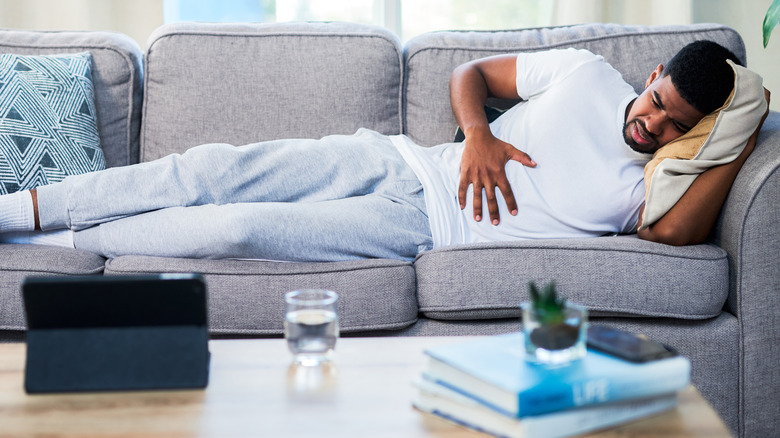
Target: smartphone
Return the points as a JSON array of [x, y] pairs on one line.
[[626, 345]]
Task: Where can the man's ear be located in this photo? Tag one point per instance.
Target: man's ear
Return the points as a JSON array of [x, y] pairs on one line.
[[654, 75]]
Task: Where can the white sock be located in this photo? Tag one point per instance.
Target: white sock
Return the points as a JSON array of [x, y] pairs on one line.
[[16, 212], [63, 238]]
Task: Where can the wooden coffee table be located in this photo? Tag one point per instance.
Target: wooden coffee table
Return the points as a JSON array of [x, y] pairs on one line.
[[254, 391]]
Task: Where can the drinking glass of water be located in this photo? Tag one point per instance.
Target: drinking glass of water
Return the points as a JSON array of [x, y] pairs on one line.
[[311, 325]]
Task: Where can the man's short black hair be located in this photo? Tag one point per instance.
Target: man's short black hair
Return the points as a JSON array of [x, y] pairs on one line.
[[701, 75]]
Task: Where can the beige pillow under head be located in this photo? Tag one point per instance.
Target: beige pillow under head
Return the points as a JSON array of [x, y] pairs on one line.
[[717, 139]]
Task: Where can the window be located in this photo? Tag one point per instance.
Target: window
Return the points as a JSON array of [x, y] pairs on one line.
[[218, 10], [420, 16], [406, 18]]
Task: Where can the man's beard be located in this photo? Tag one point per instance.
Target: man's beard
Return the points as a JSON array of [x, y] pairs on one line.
[[633, 144]]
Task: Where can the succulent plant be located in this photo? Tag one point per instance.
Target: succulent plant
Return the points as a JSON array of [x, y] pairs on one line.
[[547, 305]]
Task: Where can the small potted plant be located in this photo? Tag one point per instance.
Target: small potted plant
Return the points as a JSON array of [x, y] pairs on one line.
[[555, 330]]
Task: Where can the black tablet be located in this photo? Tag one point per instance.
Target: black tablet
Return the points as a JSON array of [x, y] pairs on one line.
[[112, 333]]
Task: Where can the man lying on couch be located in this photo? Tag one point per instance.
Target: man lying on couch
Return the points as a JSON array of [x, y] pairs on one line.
[[373, 196]]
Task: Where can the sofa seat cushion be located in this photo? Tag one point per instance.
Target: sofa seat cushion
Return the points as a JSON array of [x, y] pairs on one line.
[[612, 276], [20, 261], [246, 297]]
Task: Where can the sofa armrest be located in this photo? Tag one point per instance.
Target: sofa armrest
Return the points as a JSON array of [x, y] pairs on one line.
[[747, 232]]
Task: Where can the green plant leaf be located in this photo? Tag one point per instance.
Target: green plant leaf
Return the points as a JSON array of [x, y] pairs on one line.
[[546, 303], [771, 19]]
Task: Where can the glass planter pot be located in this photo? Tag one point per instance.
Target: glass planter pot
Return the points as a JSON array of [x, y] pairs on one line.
[[555, 343]]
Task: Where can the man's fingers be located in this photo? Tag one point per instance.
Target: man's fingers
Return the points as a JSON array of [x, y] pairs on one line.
[[463, 188], [509, 196], [477, 203], [522, 157], [490, 195]]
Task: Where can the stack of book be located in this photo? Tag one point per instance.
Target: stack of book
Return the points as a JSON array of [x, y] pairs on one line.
[[488, 385]]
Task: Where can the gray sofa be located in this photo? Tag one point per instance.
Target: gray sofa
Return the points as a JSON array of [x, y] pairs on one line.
[[240, 83]]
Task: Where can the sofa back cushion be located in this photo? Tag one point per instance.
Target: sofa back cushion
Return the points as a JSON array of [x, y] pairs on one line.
[[633, 50], [116, 77], [242, 83]]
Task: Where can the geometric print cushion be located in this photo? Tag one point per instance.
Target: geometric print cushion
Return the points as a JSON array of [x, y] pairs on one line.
[[48, 122]]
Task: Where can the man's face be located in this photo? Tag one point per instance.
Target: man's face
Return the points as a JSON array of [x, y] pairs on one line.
[[658, 116]]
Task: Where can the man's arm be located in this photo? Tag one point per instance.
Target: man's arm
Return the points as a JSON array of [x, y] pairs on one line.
[[691, 219], [484, 157]]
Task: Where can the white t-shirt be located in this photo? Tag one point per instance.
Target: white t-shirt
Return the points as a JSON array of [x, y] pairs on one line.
[[587, 182]]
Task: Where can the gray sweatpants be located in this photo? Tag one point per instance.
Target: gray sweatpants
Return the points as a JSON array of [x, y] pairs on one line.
[[338, 198]]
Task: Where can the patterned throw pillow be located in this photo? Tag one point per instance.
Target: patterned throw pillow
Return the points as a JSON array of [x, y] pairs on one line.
[[48, 123]]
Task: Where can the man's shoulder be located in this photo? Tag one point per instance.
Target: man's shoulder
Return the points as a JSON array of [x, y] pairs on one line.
[[564, 62], [571, 56]]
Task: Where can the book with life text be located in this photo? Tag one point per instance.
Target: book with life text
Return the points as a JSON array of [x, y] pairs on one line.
[[455, 407], [494, 372]]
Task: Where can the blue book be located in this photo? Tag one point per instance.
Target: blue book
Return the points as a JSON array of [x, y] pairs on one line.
[[494, 372], [455, 407]]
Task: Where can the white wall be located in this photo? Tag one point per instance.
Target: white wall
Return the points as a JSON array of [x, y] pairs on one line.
[[136, 18], [745, 16]]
